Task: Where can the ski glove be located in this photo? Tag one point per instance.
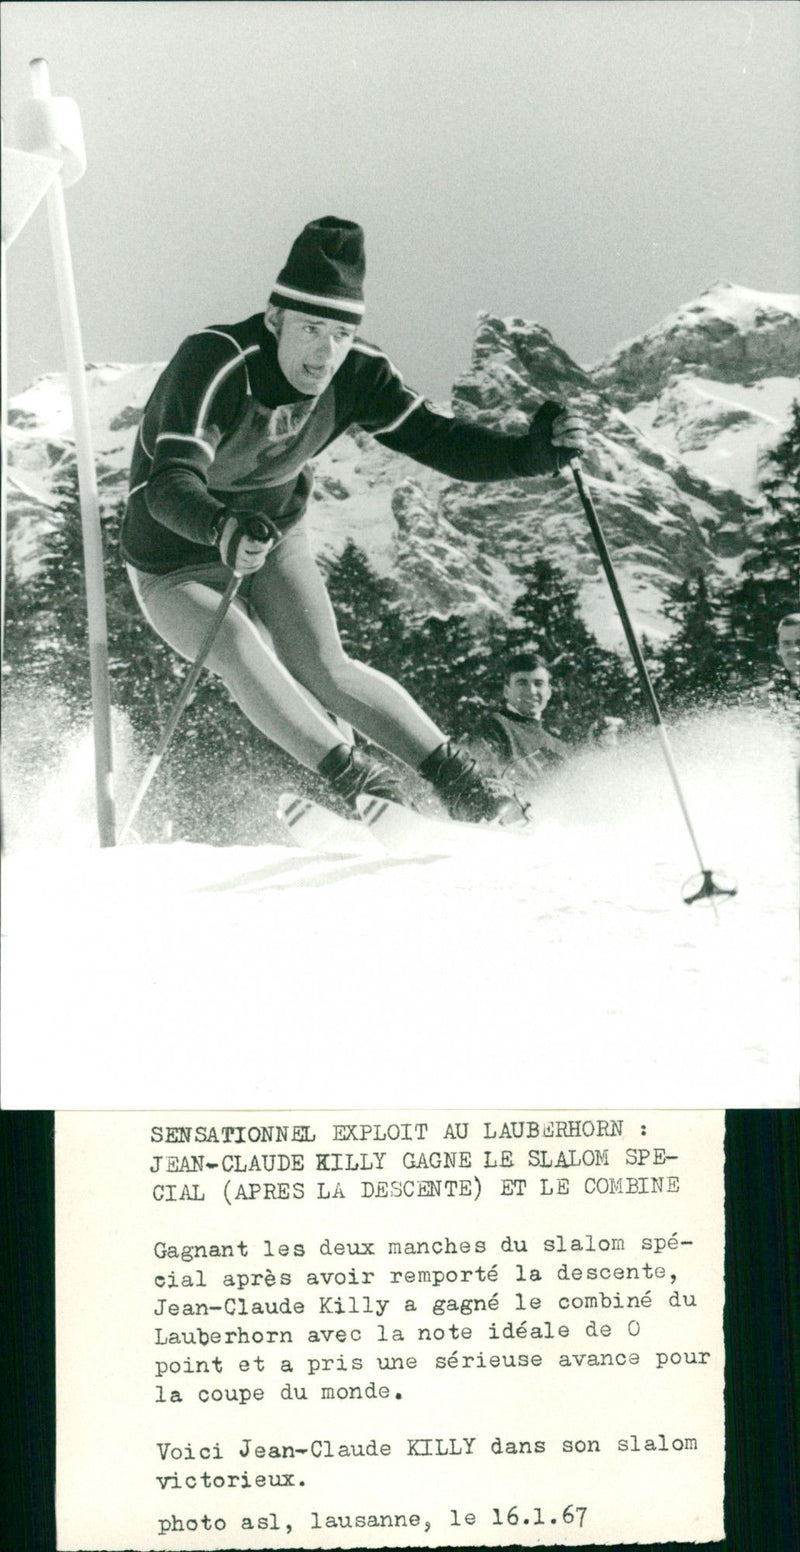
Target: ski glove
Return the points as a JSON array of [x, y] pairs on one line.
[[555, 435], [245, 540]]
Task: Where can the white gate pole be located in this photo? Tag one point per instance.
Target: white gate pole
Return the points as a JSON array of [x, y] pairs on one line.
[[87, 484]]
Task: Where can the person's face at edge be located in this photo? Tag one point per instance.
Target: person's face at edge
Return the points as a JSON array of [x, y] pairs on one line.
[[789, 647]]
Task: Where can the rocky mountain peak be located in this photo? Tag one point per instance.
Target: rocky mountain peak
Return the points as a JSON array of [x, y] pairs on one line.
[[730, 333], [515, 365]]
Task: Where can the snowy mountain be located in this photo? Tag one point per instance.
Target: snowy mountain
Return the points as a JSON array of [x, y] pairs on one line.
[[714, 382], [729, 332], [680, 419]]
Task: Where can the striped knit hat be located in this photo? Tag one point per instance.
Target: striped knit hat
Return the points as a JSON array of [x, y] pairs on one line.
[[324, 273]]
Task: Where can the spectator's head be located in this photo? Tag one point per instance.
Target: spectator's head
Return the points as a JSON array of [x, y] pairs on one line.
[[528, 686], [789, 644]]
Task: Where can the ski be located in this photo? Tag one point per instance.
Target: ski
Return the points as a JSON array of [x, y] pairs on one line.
[[382, 826], [316, 828], [403, 829]]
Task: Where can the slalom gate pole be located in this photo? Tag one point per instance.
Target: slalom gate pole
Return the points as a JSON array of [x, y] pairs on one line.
[[177, 710], [56, 123], [707, 888], [4, 452]]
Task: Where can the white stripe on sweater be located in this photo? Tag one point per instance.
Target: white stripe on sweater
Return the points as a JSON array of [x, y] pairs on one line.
[[380, 355], [223, 372], [372, 350], [393, 424], [176, 436]]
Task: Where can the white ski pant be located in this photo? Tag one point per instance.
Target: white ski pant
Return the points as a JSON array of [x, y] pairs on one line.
[[280, 655]]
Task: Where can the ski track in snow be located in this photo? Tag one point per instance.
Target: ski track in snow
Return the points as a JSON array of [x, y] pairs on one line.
[[560, 968]]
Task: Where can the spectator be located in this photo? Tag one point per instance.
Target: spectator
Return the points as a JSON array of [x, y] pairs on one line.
[[521, 747], [789, 646]]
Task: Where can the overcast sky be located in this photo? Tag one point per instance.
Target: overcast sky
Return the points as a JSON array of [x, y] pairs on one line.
[[588, 164]]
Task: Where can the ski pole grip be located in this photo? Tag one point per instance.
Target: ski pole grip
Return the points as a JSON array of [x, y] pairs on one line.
[[51, 126]]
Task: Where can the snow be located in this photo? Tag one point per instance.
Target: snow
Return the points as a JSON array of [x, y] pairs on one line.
[[741, 306], [688, 421], [561, 967], [111, 388], [771, 399], [644, 602]]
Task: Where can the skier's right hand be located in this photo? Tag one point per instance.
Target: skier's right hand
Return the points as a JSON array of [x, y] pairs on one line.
[[245, 540]]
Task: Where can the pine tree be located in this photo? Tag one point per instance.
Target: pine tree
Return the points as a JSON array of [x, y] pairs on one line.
[[489, 666], [695, 664], [47, 632], [47, 692], [770, 579], [367, 610], [781, 489], [442, 668], [48, 636]]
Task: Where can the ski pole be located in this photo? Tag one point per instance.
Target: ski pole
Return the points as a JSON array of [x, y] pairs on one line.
[[186, 690], [708, 887]]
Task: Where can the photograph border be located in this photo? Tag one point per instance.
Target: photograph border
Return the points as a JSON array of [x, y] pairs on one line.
[[762, 1333]]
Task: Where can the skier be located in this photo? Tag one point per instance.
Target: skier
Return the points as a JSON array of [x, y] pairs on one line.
[[220, 481], [523, 750]]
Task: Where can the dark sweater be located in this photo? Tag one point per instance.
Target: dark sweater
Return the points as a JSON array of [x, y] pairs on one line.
[[223, 427], [522, 746]]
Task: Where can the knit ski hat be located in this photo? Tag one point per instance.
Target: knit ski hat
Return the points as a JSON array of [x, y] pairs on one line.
[[324, 273]]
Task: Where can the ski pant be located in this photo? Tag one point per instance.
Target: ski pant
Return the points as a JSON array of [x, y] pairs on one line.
[[279, 654]]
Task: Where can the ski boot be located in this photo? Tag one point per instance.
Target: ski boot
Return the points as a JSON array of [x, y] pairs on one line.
[[350, 772], [467, 792]]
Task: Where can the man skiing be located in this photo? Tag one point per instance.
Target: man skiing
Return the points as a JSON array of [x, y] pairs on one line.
[[521, 747], [220, 481]]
